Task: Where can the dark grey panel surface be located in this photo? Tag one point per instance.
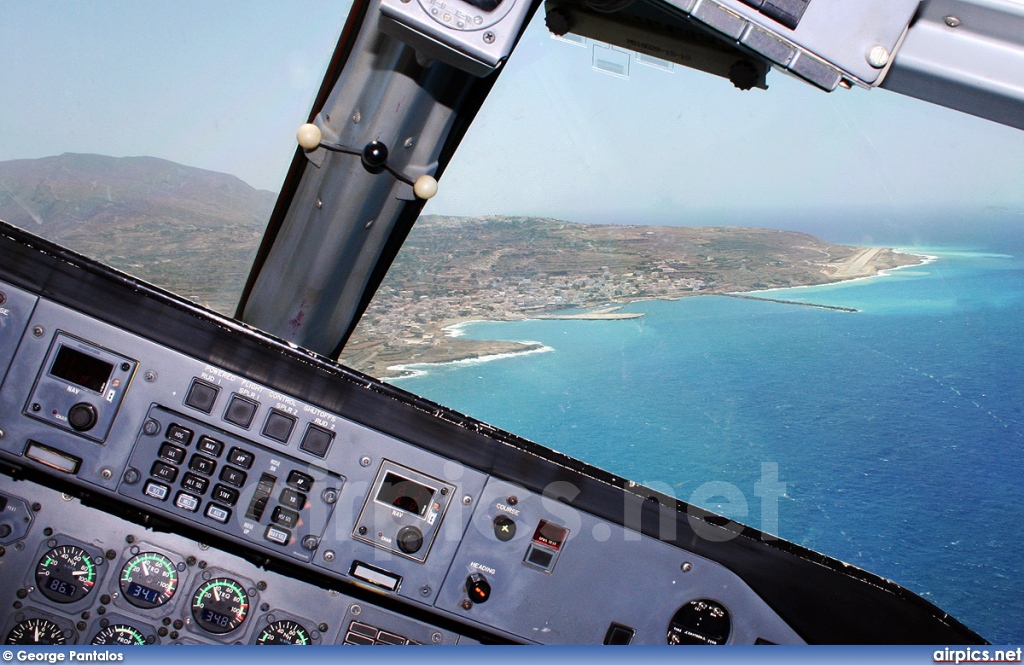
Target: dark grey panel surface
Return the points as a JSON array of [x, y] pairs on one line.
[[15, 308]]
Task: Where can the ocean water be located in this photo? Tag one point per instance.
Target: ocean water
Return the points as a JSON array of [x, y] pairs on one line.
[[898, 430]]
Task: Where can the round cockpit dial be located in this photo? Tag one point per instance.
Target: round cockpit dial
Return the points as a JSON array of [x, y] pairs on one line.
[[220, 605], [66, 574], [149, 580], [36, 631], [700, 622], [119, 635], [283, 632]]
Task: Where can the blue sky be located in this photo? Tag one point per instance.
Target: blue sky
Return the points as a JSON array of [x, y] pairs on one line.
[[223, 85]]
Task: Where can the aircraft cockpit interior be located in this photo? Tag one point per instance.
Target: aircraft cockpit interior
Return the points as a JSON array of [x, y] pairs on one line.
[[438, 322]]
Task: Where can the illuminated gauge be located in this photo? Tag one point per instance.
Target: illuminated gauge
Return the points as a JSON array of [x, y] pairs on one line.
[[119, 635], [220, 605], [699, 622], [149, 580], [66, 574], [36, 631], [283, 632]]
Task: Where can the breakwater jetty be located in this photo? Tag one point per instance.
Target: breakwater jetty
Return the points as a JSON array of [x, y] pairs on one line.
[[789, 302]]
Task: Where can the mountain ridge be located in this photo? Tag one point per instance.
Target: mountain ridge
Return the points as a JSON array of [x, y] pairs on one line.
[[191, 230]]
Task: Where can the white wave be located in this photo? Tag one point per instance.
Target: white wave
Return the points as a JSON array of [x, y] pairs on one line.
[[413, 370], [459, 329]]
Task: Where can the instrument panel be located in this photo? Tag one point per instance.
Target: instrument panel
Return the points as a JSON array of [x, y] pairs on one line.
[[189, 480], [82, 576]]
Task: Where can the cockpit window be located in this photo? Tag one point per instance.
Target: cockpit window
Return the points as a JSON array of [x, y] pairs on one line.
[[794, 308], [155, 138]]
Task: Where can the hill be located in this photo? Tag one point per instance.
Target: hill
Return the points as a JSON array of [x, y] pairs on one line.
[[190, 230]]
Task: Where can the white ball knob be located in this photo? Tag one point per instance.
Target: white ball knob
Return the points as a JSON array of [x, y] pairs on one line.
[[309, 136], [425, 187]]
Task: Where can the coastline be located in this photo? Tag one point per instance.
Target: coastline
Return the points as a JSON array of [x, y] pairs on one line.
[[449, 345], [412, 370], [882, 272]]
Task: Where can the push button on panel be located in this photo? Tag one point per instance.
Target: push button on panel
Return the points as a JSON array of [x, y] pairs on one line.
[[195, 483], [225, 494], [285, 517], [619, 634], [186, 501], [278, 426], [539, 557], [172, 453], [210, 446], [179, 434], [292, 499], [203, 465], [156, 490], [242, 458], [218, 513], [164, 471], [277, 535], [201, 396], [233, 476], [240, 411], [300, 481], [316, 441]]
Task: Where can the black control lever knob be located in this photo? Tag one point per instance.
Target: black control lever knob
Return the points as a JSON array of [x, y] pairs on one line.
[[82, 417], [478, 588], [410, 539]]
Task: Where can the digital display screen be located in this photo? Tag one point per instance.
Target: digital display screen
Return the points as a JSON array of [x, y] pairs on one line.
[[216, 618], [405, 494], [151, 596], [550, 534], [61, 587], [81, 369]]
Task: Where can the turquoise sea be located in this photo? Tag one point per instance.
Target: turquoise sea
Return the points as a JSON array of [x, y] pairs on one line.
[[898, 430]]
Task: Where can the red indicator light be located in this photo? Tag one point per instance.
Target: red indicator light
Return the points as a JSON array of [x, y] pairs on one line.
[[550, 534]]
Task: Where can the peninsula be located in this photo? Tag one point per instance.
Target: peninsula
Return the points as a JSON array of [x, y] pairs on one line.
[[457, 269]]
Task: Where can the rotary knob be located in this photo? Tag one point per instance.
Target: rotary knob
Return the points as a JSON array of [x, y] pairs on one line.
[[82, 417], [410, 539], [478, 588]]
